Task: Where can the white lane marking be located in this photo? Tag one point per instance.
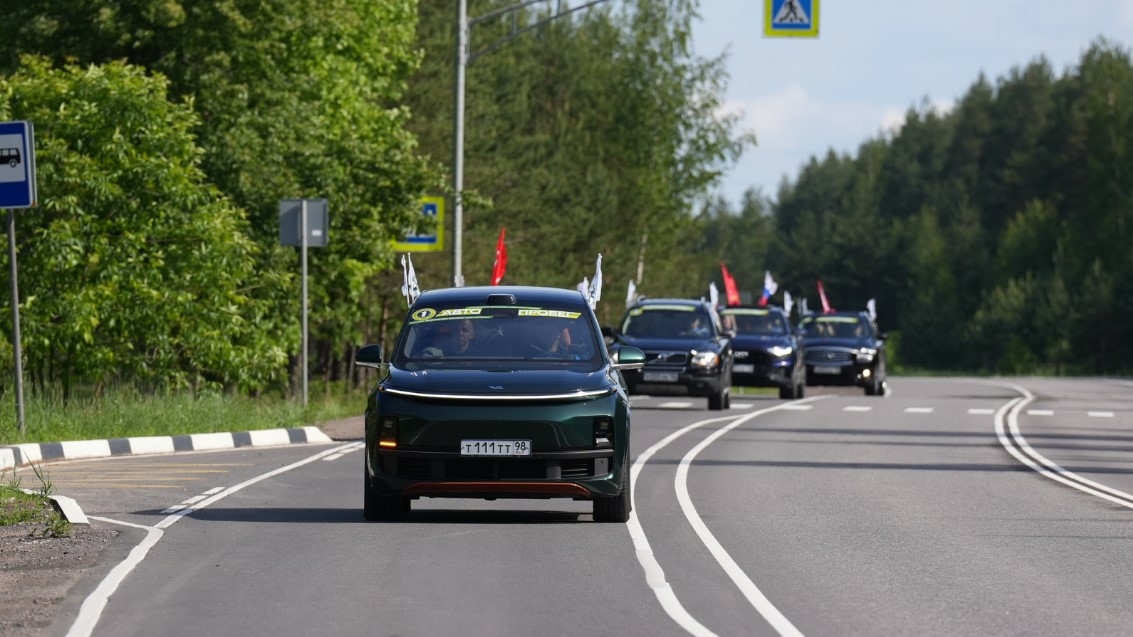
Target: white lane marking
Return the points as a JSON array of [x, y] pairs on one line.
[[675, 405], [981, 412], [1040, 463], [195, 499], [175, 507], [1039, 412], [856, 408], [742, 405], [1100, 414], [91, 610], [354, 446], [754, 596], [918, 410], [214, 490], [797, 407]]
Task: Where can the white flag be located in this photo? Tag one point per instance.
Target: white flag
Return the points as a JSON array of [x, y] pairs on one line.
[[788, 302], [871, 307], [769, 285], [584, 286], [409, 287], [595, 290], [713, 294], [803, 309], [631, 293]]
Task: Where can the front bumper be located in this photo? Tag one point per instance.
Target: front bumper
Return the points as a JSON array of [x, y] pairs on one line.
[[698, 383], [774, 373]]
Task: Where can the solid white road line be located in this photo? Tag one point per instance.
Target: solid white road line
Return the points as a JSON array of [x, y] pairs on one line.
[[754, 596], [1007, 419], [93, 605]]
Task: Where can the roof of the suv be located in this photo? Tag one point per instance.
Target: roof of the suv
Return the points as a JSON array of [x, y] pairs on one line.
[[524, 295]]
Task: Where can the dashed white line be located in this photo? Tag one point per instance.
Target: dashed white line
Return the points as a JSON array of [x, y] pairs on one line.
[[981, 412], [742, 405], [675, 405], [918, 410], [1039, 412], [797, 407], [856, 408], [1100, 414]]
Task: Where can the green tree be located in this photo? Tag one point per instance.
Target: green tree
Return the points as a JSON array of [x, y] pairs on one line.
[[133, 267]]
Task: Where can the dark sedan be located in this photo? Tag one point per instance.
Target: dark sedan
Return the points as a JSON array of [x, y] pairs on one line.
[[688, 351], [766, 350], [844, 348], [498, 392]]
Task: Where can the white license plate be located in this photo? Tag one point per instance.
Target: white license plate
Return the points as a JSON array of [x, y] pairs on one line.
[[495, 448], [660, 377], [827, 370], [743, 368]]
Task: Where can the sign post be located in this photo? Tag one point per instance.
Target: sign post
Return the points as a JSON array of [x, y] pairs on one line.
[[17, 190], [303, 223]]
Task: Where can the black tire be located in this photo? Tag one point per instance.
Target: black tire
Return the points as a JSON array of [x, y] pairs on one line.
[[800, 390], [787, 393], [379, 508], [720, 400], [615, 508]]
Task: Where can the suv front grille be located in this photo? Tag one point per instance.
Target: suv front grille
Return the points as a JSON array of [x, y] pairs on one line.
[[825, 357], [666, 358]]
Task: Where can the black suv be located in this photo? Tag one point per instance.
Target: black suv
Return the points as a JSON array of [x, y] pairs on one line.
[[687, 350], [844, 348], [766, 350]]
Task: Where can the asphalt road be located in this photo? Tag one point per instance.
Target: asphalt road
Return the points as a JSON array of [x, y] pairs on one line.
[[949, 507]]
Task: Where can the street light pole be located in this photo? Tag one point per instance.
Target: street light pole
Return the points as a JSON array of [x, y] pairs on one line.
[[458, 145], [463, 57]]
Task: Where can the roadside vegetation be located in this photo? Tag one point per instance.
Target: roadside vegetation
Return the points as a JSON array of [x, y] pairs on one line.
[[33, 507], [125, 412]]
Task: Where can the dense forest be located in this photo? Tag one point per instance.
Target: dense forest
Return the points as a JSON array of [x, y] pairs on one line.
[[994, 236]]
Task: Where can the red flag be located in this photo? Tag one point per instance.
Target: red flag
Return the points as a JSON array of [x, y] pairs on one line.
[[500, 266], [730, 292], [826, 309]]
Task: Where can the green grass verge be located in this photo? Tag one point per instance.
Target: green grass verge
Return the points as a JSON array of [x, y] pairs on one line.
[[19, 506], [124, 413]]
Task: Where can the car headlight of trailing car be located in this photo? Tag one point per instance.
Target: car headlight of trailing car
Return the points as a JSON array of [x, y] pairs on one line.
[[705, 359], [780, 351], [865, 355]]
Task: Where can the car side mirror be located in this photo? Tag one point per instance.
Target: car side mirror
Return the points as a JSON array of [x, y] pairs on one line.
[[627, 357], [369, 356]]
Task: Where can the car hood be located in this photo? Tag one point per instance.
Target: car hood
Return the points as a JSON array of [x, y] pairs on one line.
[[759, 341], [480, 382], [851, 343], [674, 344]]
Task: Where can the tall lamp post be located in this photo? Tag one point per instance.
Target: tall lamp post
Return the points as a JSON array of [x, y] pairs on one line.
[[464, 57]]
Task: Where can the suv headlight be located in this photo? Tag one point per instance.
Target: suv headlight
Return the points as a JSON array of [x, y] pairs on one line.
[[705, 359], [779, 351], [866, 355]]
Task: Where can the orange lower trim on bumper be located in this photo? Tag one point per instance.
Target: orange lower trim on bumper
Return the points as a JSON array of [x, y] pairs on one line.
[[562, 489]]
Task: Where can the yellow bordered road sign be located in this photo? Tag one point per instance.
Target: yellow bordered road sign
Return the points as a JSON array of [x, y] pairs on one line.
[[433, 242], [790, 18]]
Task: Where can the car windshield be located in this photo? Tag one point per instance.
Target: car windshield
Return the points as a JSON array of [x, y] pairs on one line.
[[837, 327], [667, 321], [442, 336], [756, 322]]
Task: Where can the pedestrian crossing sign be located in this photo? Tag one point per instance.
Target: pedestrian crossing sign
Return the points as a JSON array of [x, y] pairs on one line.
[[790, 18]]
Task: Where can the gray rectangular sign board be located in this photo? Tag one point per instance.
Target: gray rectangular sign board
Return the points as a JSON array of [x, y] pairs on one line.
[[291, 220]]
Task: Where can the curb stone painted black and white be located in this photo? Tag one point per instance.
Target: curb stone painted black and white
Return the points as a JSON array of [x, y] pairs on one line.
[[34, 453]]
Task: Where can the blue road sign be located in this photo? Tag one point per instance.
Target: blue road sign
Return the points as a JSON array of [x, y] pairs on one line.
[[17, 165], [790, 18]]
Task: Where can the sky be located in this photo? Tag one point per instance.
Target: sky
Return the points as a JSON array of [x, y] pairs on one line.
[[872, 61]]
